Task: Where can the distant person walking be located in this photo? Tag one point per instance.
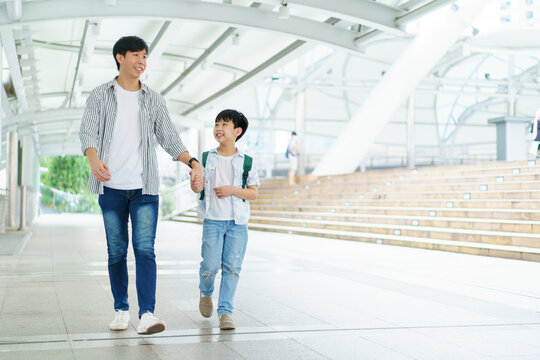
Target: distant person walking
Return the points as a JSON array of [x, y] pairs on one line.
[[121, 120], [292, 155], [534, 137]]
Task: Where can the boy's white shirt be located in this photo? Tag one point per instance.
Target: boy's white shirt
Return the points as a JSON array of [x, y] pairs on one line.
[[221, 209], [126, 144], [241, 209]]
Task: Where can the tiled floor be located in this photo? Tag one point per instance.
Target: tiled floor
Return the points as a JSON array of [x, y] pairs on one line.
[[298, 298]]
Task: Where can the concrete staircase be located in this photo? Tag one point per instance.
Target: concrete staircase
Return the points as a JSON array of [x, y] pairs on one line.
[[485, 209]]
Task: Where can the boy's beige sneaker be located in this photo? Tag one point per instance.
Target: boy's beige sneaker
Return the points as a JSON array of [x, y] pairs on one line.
[[205, 305], [226, 322]]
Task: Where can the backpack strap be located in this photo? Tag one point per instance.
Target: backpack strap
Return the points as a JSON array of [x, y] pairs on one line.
[[204, 157], [248, 161]]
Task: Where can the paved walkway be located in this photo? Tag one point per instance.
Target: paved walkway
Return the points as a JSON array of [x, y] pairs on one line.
[[299, 297]]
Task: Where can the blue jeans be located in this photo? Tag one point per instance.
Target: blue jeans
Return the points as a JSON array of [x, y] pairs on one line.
[[117, 206], [223, 246]]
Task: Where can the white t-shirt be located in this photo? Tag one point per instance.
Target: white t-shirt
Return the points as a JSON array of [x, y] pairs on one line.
[[291, 146], [125, 159], [221, 209]]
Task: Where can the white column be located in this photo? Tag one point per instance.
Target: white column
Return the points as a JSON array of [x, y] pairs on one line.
[[1, 105], [27, 179], [22, 209], [434, 39], [511, 111], [12, 166], [300, 128], [411, 161]]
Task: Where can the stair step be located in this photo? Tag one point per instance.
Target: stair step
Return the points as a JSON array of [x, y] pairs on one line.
[[512, 252], [458, 234], [461, 222]]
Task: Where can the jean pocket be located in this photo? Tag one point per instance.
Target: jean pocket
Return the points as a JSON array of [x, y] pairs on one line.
[[145, 199]]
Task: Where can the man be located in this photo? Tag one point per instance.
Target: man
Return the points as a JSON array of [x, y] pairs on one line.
[[119, 124]]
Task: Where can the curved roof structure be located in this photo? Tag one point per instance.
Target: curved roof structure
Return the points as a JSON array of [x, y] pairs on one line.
[[257, 56]]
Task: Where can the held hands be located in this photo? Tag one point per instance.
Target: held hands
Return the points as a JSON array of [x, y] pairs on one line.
[[196, 182], [224, 191], [197, 179]]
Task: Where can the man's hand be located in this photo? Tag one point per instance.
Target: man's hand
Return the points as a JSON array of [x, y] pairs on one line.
[[100, 170], [224, 191], [98, 167]]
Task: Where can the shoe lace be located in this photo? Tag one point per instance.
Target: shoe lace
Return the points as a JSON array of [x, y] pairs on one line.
[[119, 317], [148, 316]]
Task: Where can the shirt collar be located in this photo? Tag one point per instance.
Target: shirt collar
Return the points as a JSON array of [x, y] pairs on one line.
[[237, 153], [111, 83]]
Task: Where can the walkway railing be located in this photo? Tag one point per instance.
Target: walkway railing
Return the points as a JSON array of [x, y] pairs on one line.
[[174, 200], [66, 202], [177, 200]]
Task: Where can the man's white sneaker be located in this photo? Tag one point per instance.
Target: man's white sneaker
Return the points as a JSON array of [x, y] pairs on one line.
[[120, 321], [150, 324]]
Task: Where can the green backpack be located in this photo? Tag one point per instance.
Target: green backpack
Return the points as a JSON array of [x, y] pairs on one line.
[[248, 161]]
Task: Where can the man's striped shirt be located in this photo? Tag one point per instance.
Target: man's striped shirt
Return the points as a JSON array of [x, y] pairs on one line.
[[97, 127]]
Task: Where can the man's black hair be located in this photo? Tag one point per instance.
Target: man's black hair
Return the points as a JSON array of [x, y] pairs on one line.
[[128, 43], [238, 119], [293, 133]]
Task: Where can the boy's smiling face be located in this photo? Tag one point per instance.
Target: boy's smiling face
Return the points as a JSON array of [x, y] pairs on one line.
[[224, 131]]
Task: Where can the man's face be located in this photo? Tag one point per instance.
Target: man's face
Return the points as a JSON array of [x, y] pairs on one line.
[[133, 63]]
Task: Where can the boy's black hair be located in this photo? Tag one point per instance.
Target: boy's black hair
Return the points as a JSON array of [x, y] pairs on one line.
[[128, 43], [293, 133], [238, 119]]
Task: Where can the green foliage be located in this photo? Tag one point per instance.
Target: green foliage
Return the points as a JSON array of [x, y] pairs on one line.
[[67, 176], [66, 173]]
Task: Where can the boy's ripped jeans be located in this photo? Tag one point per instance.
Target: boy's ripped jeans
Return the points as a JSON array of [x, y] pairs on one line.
[[223, 247]]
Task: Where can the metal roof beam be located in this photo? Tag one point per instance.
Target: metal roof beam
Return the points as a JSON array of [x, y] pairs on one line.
[[366, 12], [5, 103], [414, 10], [297, 27], [64, 116], [273, 61], [14, 67], [212, 49], [282, 54], [158, 46], [199, 60], [79, 57], [420, 11]]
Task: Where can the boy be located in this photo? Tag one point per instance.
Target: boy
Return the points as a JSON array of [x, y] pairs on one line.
[[119, 124], [225, 206]]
